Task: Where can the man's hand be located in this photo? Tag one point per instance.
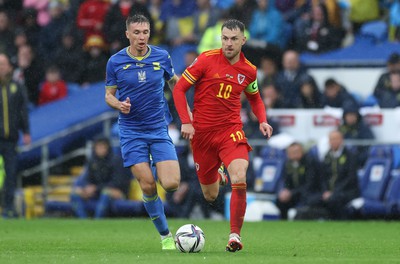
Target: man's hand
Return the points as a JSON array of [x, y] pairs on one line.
[[125, 106], [187, 131], [266, 129], [285, 195]]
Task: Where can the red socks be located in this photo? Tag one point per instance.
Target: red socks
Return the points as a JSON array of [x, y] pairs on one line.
[[237, 206]]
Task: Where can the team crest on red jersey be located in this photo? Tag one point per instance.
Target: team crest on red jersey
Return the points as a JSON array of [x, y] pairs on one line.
[[241, 78]]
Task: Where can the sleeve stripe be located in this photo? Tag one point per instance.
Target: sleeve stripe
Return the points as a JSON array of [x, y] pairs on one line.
[[188, 77], [111, 87]]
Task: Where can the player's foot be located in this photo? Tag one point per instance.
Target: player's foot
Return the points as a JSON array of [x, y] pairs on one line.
[[168, 243], [223, 177], [234, 243]]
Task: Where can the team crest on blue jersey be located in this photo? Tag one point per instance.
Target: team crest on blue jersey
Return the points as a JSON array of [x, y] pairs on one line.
[[240, 78], [142, 76]]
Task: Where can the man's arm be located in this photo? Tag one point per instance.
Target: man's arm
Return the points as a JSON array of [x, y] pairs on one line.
[[124, 107]]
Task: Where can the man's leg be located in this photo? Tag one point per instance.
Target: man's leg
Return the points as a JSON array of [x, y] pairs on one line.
[[237, 171], [10, 181], [153, 203]]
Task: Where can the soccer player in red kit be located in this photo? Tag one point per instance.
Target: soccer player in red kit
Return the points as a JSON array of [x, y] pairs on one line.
[[219, 77]]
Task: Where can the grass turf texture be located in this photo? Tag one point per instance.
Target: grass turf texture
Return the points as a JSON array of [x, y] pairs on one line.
[[136, 241]]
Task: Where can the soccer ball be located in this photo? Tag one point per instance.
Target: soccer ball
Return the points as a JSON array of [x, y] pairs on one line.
[[189, 238]]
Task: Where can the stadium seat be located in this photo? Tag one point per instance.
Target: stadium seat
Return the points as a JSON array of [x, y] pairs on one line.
[[392, 198], [269, 175], [375, 177], [377, 30]]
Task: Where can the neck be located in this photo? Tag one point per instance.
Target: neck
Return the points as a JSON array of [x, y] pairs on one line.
[[234, 59], [138, 53]]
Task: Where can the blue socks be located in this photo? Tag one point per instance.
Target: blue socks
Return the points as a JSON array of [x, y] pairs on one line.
[[155, 210]]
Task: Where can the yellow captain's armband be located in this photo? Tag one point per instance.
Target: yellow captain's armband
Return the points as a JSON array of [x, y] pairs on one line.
[[252, 87]]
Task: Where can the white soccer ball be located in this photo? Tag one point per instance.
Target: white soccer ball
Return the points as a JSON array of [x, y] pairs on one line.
[[189, 238]]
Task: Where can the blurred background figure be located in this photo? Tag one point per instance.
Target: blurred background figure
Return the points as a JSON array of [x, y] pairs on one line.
[[14, 120], [53, 88], [300, 177], [104, 179]]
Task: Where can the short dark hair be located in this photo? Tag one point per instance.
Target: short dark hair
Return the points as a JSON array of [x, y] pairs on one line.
[[137, 18], [394, 58], [329, 82], [233, 24]]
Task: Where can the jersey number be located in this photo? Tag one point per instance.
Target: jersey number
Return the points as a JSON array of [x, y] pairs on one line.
[[224, 91], [237, 136]]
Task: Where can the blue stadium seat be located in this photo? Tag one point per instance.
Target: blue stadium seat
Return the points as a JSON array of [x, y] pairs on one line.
[[392, 199], [377, 30], [269, 176], [375, 177]]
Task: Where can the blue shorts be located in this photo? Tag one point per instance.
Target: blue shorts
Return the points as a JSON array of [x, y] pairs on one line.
[[138, 145]]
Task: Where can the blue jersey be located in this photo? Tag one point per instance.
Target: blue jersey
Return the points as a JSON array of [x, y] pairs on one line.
[[142, 80]]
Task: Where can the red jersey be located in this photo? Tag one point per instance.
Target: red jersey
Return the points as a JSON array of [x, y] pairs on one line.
[[218, 88]]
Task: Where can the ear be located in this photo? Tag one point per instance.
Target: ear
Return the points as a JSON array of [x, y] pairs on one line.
[[126, 34]]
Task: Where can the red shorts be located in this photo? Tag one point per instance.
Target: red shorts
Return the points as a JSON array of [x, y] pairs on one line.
[[210, 148]]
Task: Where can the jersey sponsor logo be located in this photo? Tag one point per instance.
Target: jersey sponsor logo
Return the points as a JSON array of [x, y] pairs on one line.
[[126, 66], [156, 66], [142, 76], [241, 78], [229, 76], [138, 64]]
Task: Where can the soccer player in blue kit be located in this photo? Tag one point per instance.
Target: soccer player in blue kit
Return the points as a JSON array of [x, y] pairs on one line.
[[138, 72]]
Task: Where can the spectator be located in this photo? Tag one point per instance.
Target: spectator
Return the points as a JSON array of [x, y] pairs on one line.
[[104, 180], [267, 71], [267, 25], [95, 60], [354, 127], [158, 33], [30, 26], [271, 97], [114, 22], [392, 64], [362, 11], [394, 21], [339, 183], [72, 65], [336, 95], [310, 96], [91, 14], [6, 33], [316, 34], [242, 10], [53, 88], [390, 98], [29, 72], [300, 177], [42, 9], [51, 34], [205, 16], [290, 79], [177, 16], [13, 120]]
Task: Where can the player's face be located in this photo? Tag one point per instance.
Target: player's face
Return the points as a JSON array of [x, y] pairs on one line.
[[232, 42], [138, 35]]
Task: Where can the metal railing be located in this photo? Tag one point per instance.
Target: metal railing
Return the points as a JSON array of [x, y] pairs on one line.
[[46, 162]]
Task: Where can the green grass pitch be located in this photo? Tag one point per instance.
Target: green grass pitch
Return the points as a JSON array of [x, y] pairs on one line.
[[136, 241]]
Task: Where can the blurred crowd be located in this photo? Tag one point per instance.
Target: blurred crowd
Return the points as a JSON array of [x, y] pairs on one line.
[[53, 43]]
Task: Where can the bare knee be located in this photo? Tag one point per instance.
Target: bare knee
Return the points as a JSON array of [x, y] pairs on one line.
[[170, 184], [210, 196], [237, 171]]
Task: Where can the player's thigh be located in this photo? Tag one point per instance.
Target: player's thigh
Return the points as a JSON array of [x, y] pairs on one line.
[[144, 175], [168, 173], [134, 147], [206, 158]]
